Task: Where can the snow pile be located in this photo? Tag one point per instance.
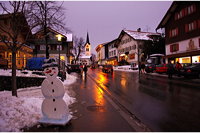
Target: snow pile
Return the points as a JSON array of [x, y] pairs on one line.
[[126, 68], [20, 112], [70, 79], [19, 73], [25, 110]]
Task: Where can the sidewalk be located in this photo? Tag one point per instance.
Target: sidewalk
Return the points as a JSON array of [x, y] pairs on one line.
[[91, 113], [177, 80]]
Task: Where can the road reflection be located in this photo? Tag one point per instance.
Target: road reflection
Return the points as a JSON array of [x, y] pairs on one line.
[[160, 103]]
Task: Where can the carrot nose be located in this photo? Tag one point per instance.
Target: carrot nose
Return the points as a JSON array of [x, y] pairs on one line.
[[48, 71]]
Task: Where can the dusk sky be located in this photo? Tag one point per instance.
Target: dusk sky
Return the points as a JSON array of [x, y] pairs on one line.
[[104, 20]]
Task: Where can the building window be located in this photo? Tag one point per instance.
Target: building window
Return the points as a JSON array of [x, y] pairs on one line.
[[87, 49], [173, 32], [42, 47], [174, 47], [191, 26], [191, 9]]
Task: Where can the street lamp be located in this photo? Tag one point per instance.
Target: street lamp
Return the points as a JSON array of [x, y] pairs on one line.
[[59, 40]]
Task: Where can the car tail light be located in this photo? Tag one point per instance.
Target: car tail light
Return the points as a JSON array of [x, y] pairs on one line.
[[189, 71]]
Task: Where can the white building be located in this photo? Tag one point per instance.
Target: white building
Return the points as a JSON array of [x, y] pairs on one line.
[[130, 45]]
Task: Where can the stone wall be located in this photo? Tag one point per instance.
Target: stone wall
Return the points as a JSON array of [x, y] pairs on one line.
[[22, 82]]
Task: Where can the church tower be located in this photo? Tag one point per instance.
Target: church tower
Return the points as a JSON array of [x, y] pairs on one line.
[[87, 46]]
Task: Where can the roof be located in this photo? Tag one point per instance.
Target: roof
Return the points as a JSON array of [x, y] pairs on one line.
[[138, 35], [168, 14], [52, 30]]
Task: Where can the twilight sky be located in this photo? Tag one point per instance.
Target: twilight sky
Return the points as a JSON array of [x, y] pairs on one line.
[[104, 20]]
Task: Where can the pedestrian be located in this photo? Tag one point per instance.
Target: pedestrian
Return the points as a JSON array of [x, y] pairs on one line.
[[143, 68], [178, 68], [85, 69], [170, 70]]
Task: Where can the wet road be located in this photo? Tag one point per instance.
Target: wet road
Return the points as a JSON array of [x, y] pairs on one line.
[[158, 102]]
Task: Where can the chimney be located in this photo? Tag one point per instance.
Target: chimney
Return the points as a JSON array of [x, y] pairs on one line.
[[139, 30]]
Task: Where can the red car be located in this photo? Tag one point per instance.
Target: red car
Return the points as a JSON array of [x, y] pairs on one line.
[[162, 68]]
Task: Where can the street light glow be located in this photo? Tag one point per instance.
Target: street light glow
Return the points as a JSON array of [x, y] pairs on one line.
[[59, 37]]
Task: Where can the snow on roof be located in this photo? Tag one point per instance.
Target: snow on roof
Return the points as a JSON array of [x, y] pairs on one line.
[[141, 35], [85, 57], [69, 37]]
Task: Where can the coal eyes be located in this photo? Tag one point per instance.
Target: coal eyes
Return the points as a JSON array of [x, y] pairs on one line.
[[53, 68]]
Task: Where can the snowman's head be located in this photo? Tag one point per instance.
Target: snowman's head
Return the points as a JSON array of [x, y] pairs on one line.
[[50, 68], [51, 72]]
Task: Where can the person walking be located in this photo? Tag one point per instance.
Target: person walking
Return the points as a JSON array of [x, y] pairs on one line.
[[85, 69], [170, 70], [143, 68], [178, 68]]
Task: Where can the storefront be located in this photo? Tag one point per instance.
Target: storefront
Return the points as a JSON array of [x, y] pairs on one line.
[[112, 61], [188, 59]]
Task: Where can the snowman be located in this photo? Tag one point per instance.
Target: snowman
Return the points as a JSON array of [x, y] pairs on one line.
[[54, 108]]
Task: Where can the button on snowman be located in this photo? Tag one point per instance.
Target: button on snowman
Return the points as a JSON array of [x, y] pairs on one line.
[[54, 108]]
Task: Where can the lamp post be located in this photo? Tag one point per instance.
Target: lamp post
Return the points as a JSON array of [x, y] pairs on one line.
[[59, 40]]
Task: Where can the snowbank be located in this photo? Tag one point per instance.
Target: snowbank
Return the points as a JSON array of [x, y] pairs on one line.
[[19, 73], [126, 68], [25, 110]]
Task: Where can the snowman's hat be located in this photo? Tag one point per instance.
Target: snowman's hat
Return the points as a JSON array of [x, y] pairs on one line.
[[49, 63]]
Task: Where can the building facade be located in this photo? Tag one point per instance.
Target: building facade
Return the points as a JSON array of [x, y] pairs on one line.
[[182, 32], [112, 53], [57, 45], [25, 52], [131, 44]]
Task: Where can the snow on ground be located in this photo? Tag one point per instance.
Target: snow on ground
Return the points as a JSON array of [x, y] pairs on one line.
[[126, 68], [19, 73], [25, 110]]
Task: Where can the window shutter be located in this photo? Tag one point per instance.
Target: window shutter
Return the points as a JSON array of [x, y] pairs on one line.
[[170, 33], [195, 24], [176, 16], [177, 47], [186, 11], [194, 7], [186, 27], [171, 48], [176, 31], [183, 12]]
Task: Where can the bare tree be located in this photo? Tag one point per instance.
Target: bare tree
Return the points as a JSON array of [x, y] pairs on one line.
[[78, 47], [43, 14], [12, 31], [38, 15]]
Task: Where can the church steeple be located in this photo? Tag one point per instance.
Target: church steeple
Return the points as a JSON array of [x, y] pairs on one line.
[[87, 39]]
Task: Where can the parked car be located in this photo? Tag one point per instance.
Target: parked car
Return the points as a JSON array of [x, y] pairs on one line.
[[73, 68], [150, 68], [191, 71], [161, 68], [107, 68]]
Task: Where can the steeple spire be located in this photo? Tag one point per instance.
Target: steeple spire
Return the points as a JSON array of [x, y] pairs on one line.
[[87, 40]]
